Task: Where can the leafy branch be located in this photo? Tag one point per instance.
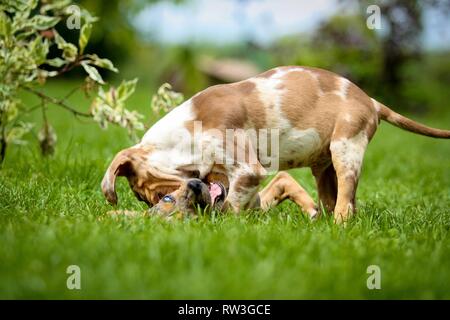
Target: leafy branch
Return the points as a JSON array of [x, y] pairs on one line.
[[27, 31], [58, 102]]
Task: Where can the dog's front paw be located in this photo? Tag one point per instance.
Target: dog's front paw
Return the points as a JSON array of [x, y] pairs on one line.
[[313, 213], [229, 206]]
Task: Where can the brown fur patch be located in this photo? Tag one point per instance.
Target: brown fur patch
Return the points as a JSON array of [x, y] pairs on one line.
[[267, 74], [246, 87], [299, 99], [247, 181], [328, 81], [255, 108], [233, 106], [355, 93], [345, 129]]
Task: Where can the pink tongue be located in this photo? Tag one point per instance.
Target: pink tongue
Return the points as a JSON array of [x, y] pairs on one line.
[[214, 191]]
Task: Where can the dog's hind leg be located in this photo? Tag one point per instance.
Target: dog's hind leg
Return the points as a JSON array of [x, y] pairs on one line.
[[347, 155], [283, 187], [326, 181]]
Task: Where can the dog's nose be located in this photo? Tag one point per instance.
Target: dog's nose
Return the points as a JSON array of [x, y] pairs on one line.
[[195, 185]]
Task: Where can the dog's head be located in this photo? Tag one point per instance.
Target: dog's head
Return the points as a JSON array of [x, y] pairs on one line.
[[148, 183], [193, 194], [169, 192]]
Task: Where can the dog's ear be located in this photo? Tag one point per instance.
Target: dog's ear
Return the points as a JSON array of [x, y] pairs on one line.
[[120, 166]]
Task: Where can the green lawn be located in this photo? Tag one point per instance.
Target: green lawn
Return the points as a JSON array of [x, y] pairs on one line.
[[52, 215]]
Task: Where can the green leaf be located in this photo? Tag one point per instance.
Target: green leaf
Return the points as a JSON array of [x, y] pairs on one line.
[[11, 109], [25, 34], [126, 89], [19, 5], [46, 73], [55, 62], [60, 42], [39, 47], [16, 133], [92, 72], [85, 34], [70, 52], [102, 62], [5, 24], [41, 22], [57, 5], [87, 17], [165, 99]]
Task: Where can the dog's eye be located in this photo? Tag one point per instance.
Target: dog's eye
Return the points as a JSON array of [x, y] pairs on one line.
[[168, 198], [195, 174]]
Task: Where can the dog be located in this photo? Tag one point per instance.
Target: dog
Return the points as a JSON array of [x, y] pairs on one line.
[[323, 121], [195, 194]]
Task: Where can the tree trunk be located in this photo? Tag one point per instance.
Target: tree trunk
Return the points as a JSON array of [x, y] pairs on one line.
[[3, 142], [3, 145]]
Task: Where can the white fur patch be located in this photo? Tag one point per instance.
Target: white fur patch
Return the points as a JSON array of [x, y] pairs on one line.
[[281, 72], [299, 145], [348, 117], [316, 78], [375, 104], [294, 145], [343, 90], [350, 152], [271, 96], [166, 130], [171, 140]]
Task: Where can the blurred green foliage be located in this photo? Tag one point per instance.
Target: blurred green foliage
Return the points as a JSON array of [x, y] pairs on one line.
[[27, 32], [390, 65]]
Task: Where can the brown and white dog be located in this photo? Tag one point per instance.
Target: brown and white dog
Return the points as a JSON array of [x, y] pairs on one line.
[[195, 194], [323, 121]]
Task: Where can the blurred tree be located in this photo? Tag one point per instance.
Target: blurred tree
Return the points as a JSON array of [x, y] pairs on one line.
[[342, 44], [402, 26], [27, 32], [181, 70], [386, 63], [351, 49], [114, 35]]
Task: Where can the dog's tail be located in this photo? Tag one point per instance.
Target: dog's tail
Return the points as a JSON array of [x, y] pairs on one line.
[[407, 124]]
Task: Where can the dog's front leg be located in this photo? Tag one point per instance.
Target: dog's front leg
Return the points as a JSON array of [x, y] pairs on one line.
[[244, 171], [243, 190]]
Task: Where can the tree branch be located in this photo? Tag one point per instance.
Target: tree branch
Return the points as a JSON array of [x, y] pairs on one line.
[[71, 65], [70, 93], [57, 102]]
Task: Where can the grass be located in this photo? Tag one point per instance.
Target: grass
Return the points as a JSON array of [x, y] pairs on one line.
[[52, 215]]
